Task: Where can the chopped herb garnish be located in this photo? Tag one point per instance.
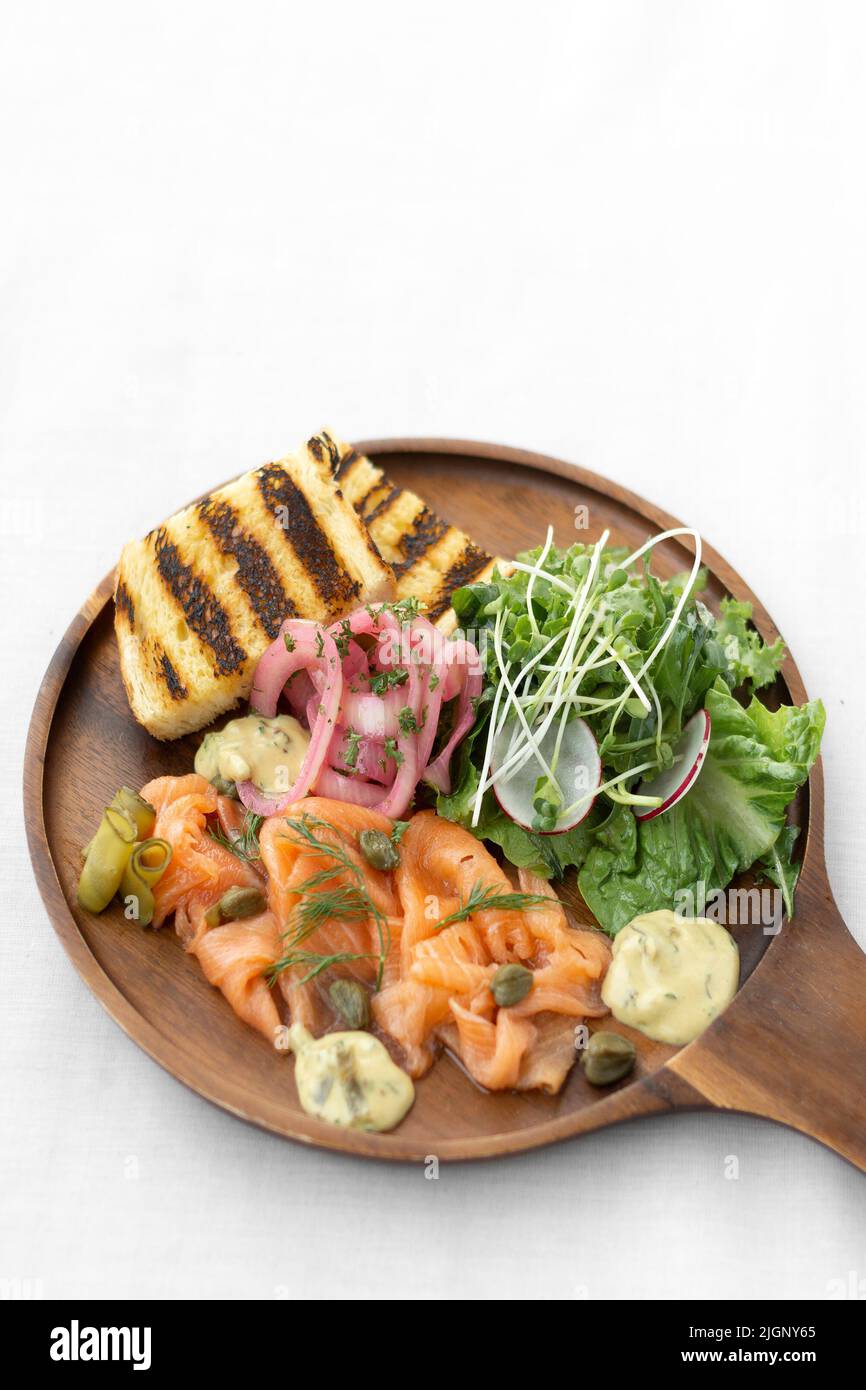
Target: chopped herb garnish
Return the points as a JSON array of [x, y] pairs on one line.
[[289, 641], [391, 750], [344, 637], [317, 962], [407, 721], [400, 828], [405, 608], [353, 742], [384, 681]]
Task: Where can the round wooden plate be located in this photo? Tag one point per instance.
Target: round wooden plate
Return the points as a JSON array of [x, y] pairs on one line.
[[791, 1047]]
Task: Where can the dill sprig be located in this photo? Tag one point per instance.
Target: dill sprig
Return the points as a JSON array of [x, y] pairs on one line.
[[347, 901], [303, 835], [482, 899], [244, 843], [317, 962]]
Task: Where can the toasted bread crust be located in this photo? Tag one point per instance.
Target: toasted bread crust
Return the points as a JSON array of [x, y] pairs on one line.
[[313, 535], [199, 598], [429, 557]]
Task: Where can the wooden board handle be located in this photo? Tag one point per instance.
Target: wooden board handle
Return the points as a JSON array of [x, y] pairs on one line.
[[792, 1048]]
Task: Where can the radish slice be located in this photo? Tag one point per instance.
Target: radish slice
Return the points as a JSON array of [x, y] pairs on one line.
[[673, 783], [577, 771]]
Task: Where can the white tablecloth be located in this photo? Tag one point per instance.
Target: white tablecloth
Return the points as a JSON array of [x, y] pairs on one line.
[[630, 235]]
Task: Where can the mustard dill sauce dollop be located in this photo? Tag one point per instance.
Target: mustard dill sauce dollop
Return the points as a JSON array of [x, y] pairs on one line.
[[349, 1079], [671, 976]]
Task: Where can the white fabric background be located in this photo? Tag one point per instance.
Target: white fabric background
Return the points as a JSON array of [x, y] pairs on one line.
[[628, 234]]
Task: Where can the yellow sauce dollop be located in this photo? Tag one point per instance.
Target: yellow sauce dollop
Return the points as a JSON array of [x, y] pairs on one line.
[[349, 1079], [671, 976], [268, 752]]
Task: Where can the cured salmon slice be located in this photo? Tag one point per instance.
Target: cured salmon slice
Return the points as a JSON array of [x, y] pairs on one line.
[[552, 1055], [234, 958], [493, 1052], [574, 959], [447, 971], [441, 865], [331, 913], [455, 960], [336, 824], [201, 869], [295, 849], [409, 1013]]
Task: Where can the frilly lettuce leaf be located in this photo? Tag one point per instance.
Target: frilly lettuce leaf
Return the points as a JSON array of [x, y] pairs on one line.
[[777, 866], [732, 817], [748, 657]]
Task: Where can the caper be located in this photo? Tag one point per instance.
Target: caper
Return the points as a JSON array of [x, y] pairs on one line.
[[224, 787], [378, 850], [235, 904], [608, 1058], [510, 984], [352, 1003]]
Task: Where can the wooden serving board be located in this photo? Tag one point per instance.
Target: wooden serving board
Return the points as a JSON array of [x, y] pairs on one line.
[[791, 1047]]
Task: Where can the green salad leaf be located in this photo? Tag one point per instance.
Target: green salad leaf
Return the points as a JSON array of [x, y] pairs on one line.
[[748, 658], [732, 817], [777, 866], [590, 632]]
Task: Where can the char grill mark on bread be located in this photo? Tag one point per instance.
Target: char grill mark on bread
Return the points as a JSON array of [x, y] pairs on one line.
[[387, 495], [307, 539], [198, 600], [176, 688], [472, 564], [325, 450], [202, 610], [256, 573], [429, 557], [125, 604], [425, 531], [345, 462]]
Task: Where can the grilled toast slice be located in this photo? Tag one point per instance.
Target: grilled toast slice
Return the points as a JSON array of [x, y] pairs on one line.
[[199, 599], [429, 557]]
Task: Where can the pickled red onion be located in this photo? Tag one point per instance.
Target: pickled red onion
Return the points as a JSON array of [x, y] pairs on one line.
[[438, 773], [325, 660], [313, 648]]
